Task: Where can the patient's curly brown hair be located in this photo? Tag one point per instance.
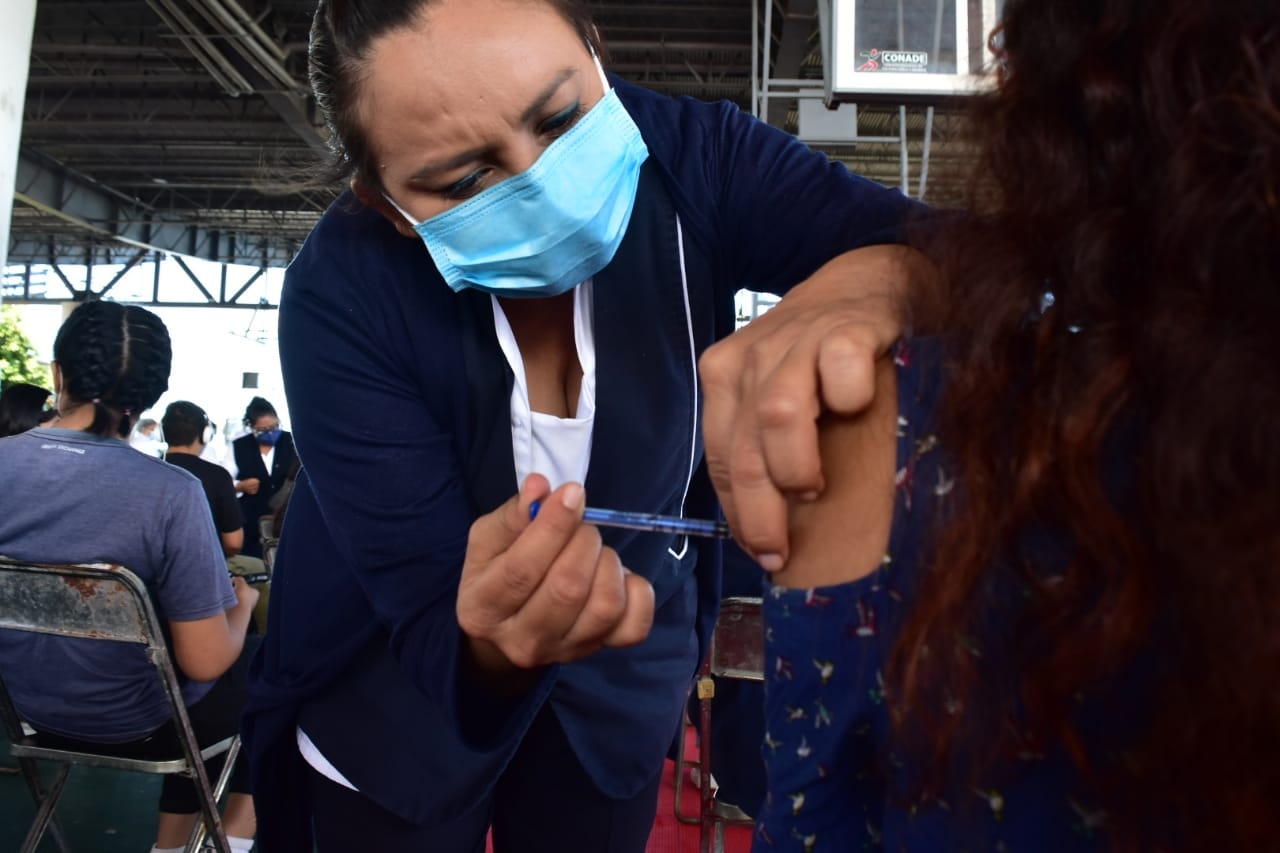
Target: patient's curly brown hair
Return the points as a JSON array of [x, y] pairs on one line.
[[1130, 165]]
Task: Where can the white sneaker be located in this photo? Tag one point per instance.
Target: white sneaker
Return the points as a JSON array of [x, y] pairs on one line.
[[729, 811]]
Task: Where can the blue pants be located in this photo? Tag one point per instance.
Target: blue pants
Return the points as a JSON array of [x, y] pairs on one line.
[[544, 803]]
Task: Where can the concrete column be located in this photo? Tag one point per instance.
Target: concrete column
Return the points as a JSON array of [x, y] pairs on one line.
[[17, 21]]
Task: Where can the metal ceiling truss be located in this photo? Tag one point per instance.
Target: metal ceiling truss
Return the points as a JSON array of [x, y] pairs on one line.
[[185, 127], [122, 224], [42, 282]]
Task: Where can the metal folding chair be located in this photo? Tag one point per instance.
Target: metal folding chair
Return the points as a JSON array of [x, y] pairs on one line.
[[110, 604], [267, 528], [737, 652], [269, 549]]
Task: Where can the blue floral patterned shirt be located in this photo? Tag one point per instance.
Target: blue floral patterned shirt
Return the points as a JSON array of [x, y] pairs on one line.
[[836, 777]]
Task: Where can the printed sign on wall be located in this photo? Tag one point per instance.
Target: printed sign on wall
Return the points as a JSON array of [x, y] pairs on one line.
[[907, 50]]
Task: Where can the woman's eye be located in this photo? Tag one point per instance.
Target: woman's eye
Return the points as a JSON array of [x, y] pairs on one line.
[[561, 121], [468, 186]]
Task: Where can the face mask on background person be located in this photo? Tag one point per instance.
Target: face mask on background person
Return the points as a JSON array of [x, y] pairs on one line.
[[268, 437], [553, 226]]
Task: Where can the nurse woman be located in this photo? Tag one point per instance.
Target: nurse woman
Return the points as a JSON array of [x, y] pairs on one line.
[[510, 305]]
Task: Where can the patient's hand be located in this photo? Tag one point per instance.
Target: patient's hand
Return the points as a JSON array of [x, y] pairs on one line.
[[246, 595]]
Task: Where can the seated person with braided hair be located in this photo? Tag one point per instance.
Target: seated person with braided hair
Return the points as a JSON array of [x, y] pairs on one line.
[[101, 501]]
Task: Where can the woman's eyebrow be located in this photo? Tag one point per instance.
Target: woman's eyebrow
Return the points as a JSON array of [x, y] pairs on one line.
[[447, 165], [540, 102], [538, 105]]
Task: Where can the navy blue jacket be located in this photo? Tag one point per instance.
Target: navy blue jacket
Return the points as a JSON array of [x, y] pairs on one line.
[[399, 398]]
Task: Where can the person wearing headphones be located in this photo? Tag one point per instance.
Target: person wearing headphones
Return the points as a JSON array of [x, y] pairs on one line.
[[188, 430]]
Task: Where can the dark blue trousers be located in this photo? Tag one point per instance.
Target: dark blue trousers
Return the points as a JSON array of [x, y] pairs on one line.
[[544, 803]]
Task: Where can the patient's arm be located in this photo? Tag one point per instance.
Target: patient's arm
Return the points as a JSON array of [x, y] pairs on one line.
[[205, 648], [821, 677], [843, 535], [232, 542]]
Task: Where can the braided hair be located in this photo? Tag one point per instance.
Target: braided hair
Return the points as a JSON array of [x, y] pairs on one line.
[[115, 357]]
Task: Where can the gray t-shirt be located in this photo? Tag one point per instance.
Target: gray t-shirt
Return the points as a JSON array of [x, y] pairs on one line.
[[70, 497]]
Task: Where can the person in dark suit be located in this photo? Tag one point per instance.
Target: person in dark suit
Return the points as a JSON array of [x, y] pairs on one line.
[[261, 462]]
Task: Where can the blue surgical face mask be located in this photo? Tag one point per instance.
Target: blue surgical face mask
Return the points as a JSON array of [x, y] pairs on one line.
[[269, 438], [546, 230]]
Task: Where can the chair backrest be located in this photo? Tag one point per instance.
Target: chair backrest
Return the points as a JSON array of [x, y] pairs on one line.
[[110, 603], [737, 643], [95, 601]]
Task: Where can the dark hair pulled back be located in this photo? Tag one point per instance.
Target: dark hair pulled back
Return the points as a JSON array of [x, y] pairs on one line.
[[258, 407], [115, 357], [342, 34]]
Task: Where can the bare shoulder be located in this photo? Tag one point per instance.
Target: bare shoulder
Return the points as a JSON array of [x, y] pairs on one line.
[[843, 535]]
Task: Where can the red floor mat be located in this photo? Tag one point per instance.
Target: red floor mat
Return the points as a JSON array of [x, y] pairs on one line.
[[670, 835]]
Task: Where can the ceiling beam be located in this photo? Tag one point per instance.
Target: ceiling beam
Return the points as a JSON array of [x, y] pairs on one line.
[[242, 58], [99, 212]]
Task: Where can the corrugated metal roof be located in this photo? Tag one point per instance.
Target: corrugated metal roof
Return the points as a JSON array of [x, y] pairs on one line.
[[197, 110]]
